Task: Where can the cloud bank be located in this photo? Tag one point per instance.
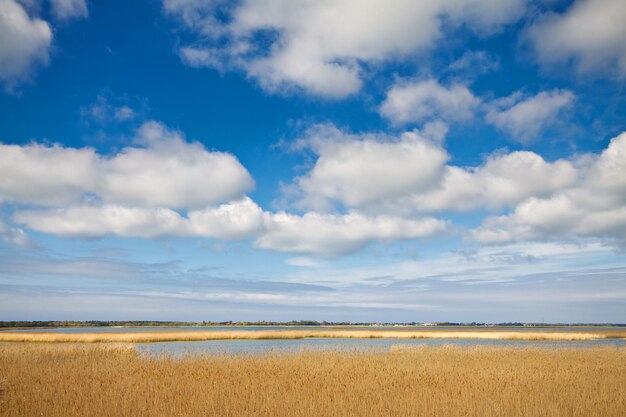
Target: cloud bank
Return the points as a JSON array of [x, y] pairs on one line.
[[312, 47], [161, 170], [164, 185], [410, 173], [593, 206], [361, 189]]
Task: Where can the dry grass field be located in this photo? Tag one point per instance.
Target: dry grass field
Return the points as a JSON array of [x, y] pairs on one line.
[[199, 335], [66, 380]]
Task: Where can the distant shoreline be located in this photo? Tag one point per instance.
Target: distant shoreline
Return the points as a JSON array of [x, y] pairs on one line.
[[54, 324], [190, 336]]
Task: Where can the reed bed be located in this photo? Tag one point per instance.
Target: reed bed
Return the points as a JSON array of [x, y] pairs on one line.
[[66, 380], [196, 335]]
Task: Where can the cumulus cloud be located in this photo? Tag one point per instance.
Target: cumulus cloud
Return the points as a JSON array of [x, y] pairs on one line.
[[590, 33], [524, 118], [170, 172], [164, 185], [358, 170], [594, 206], [330, 235], [234, 220], [46, 175], [313, 47], [402, 177], [96, 221], [503, 180], [161, 170], [417, 101], [69, 9], [25, 43], [410, 173], [138, 192], [314, 234]]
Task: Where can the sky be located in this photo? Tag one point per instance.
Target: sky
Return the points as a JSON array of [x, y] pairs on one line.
[[338, 160]]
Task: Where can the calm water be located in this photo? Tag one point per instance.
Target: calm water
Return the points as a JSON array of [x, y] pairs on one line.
[[383, 345]]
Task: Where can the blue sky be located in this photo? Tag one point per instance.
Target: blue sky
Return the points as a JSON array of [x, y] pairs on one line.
[[333, 160]]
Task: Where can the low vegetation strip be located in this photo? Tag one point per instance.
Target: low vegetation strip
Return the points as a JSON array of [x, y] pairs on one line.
[[67, 380], [198, 335]]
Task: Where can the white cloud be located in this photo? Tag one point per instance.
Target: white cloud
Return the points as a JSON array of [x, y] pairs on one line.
[[235, 220], [503, 180], [417, 101], [25, 43], [69, 9], [590, 33], [46, 175], [408, 174], [523, 118], [96, 221], [594, 206], [171, 172], [163, 171], [313, 234], [313, 46], [359, 170], [137, 191], [330, 235]]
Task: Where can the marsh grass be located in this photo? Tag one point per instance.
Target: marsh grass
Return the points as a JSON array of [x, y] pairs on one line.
[[197, 335], [66, 380]]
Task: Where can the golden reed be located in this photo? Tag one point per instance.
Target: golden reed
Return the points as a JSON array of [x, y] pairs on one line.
[[200, 335], [66, 380]]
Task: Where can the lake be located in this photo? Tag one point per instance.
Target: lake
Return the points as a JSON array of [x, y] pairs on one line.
[[383, 345], [342, 344]]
